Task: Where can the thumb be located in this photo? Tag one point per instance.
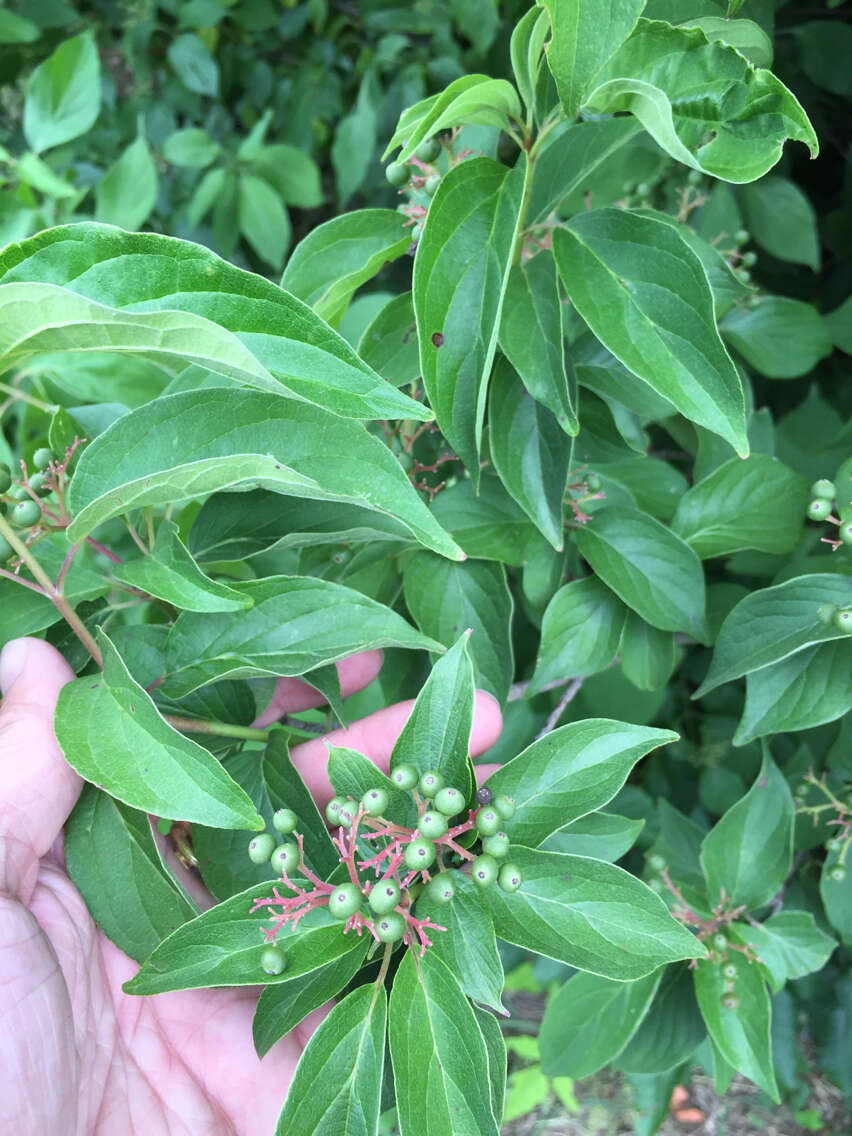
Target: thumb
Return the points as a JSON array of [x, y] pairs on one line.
[[37, 787]]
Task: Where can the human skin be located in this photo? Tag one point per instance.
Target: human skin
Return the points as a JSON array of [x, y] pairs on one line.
[[79, 1057]]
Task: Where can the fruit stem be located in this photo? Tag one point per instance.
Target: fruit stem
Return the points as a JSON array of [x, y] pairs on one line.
[[383, 969], [24, 397], [220, 729]]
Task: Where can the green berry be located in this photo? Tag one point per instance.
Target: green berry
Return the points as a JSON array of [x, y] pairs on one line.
[[484, 870], [429, 150], [391, 927], [743, 275], [346, 814], [719, 941], [834, 844], [837, 873], [261, 848], [26, 513], [694, 177], [741, 236], [345, 901], [802, 789], [730, 1002], [433, 824], [656, 862], [273, 960], [42, 458], [824, 488], [593, 483], [285, 857], [510, 878], [496, 845], [332, 809], [397, 174], [404, 776], [284, 821], [441, 888], [384, 896], [38, 482], [488, 821], [505, 806], [6, 550], [843, 621], [826, 612], [432, 184], [449, 801], [5, 477], [420, 854], [656, 884], [375, 801], [431, 782], [819, 509], [749, 259], [643, 189], [729, 970], [845, 532], [19, 493]]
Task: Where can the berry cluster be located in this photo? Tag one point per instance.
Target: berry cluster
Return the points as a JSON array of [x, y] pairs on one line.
[[34, 501], [412, 865], [821, 508], [720, 945], [421, 174], [813, 796]]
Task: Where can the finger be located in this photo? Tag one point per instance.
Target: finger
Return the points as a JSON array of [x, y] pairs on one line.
[[375, 737], [37, 787], [291, 694]]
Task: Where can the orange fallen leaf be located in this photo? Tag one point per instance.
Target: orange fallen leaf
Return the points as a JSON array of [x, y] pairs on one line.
[[689, 1115], [679, 1096]]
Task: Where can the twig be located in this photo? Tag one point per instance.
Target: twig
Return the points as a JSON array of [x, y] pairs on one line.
[[567, 695]]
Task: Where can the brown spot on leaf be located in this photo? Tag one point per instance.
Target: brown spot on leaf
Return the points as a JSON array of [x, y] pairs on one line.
[[437, 339]]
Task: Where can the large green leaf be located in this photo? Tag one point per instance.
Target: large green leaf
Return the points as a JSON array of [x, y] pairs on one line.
[[580, 632], [495, 1046], [603, 836], [461, 272], [781, 338], [782, 220], [644, 293], [488, 525], [671, 1030], [440, 1063], [389, 343], [277, 334], [186, 445], [63, 94], [468, 945], [526, 47], [296, 623], [702, 102], [110, 732], [127, 193], [647, 654], [789, 944]]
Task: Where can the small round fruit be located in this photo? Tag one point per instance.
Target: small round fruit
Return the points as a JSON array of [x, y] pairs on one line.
[[433, 824], [397, 174], [656, 862], [346, 814], [749, 259], [38, 483], [431, 782], [5, 477], [375, 801], [25, 513], [428, 150], [384, 896], [694, 177], [404, 776], [643, 189], [420, 854], [593, 483], [730, 1002], [843, 621], [488, 821], [824, 488], [6, 550], [449, 801], [496, 845], [743, 275], [505, 806], [729, 970], [261, 848], [441, 888], [19, 493], [273, 960], [834, 844], [332, 809], [837, 873], [345, 901], [484, 796], [510, 878], [802, 789], [819, 509], [845, 532], [42, 458], [741, 236], [432, 183], [484, 870], [285, 857], [391, 927], [284, 821], [826, 612], [656, 884], [719, 941]]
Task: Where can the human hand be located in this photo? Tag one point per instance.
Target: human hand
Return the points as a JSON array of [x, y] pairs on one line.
[[77, 1055]]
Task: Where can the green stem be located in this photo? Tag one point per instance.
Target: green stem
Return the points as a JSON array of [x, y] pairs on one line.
[[24, 397], [383, 969], [220, 729]]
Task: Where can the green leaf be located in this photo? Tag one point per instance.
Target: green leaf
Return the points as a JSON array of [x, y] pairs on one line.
[[746, 36], [32, 170], [532, 337], [17, 29], [782, 220], [747, 855], [337, 1086], [837, 898], [281, 1007], [207, 193], [591, 915], [194, 65], [589, 1020], [292, 172], [127, 193], [488, 525], [645, 295], [652, 570], [263, 220], [63, 96], [702, 102], [461, 272], [278, 335], [679, 843], [741, 1035], [757, 503], [580, 632], [781, 338], [789, 944], [474, 596], [774, 623], [225, 439], [354, 144], [467, 946], [526, 48], [602, 836], [647, 654], [569, 772], [171, 574], [389, 342], [440, 1063], [336, 258], [495, 1046], [192, 149], [114, 863], [296, 623], [528, 451], [526, 1091], [581, 43], [671, 1030]]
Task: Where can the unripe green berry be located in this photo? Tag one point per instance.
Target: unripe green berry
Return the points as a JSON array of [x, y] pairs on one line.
[[845, 532], [449, 801], [375, 801], [484, 870], [384, 896], [398, 175], [404, 776], [391, 927], [428, 150], [441, 888], [420, 854], [496, 845], [261, 848], [19, 493], [819, 509], [273, 960], [730, 1002], [826, 612], [488, 821], [843, 621], [824, 488], [417, 231], [643, 189], [656, 884], [593, 483], [741, 236], [656, 862], [284, 821], [719, 941], [729, 970], [25, 513], [345, 901], [431, 782], [749, 259], [6, 550], [743, 275], [432, 184], [433, 824], [510, 878], [505, 806], [285, 857], [38, 482], [802, 789], [5, 477], [346, 814], [834, 844], [332, 809], [837, 873], [694, 177], [42, 458]]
